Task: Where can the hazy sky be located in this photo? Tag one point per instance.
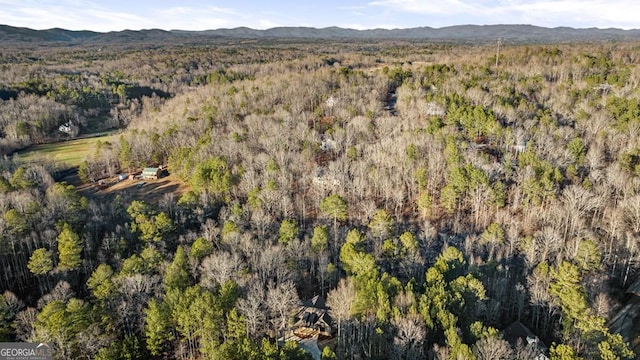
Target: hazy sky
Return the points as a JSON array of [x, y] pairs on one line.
[[100, 15]]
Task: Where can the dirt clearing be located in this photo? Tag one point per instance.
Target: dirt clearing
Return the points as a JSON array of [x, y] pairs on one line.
[[149, 191]]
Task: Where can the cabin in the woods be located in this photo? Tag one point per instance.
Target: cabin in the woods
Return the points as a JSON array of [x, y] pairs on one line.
[[65, 128], [518, 334], [69, 128], [313, 319], [151, 173], [312, 327]]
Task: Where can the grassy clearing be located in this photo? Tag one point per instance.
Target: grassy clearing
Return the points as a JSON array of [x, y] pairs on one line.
[[71, 152]]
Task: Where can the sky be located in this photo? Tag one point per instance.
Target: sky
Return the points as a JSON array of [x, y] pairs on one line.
[[116, 15]]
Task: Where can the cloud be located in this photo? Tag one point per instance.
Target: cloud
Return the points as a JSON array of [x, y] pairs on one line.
[[435, 7], [576, 13], [69, 14], [267, 24], [87, 15], [615, 13], [113, 17], [41, 18], [144, 14], [349, 7], [353, 26], [192, 18], [211, 17]]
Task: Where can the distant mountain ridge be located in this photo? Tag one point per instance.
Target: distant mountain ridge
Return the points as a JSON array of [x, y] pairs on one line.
[[458, 33]]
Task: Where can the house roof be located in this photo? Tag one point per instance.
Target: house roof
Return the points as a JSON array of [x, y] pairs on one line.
[[313, 312], [150, 170], [309, 316], [315, 302], [516, 331]]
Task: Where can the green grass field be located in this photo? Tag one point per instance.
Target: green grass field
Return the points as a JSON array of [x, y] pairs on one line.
[[71, 152]]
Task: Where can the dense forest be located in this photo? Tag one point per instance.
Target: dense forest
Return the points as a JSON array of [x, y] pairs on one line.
[[436, 195]]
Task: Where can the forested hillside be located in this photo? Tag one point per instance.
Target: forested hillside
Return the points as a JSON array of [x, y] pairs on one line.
[[433, 194]]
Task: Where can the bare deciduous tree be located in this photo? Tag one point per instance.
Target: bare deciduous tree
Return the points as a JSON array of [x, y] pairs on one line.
[[219, 267], [340, 301], [410, 336], [492, 348], [281, 299], [62, 291], [253, 306], [24, 323]]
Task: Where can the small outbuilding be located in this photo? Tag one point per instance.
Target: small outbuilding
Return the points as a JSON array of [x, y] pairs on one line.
[[151, 173]]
